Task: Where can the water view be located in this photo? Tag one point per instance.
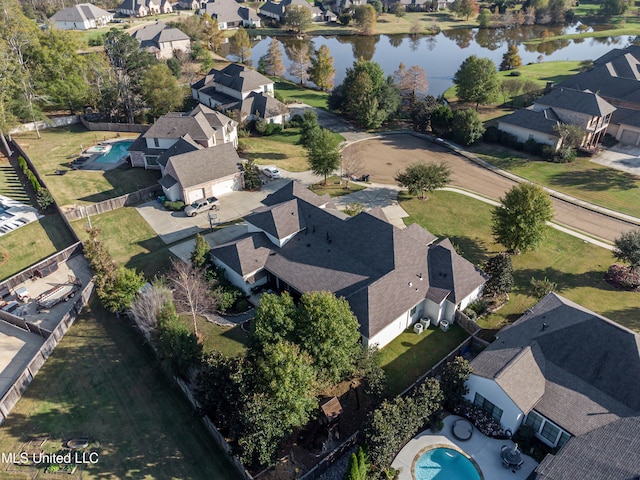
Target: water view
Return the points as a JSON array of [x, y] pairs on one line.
[[441, 55]]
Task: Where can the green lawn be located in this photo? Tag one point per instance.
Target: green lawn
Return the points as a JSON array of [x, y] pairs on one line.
[[28, 245], [130, 240], [290, 92], [59, 146], [101, 382], [410, 355], [231, 341], [281, 150], [607, 187], [334, 188], [577, 267]]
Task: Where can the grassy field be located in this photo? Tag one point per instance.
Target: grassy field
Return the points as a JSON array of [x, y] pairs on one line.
[[293, 93], [583, 179], [59, 146], [409, 356], [578, 268], [334, 188], [130, 240], [30, 244], [281, 150], [231, 341], [101, 382]]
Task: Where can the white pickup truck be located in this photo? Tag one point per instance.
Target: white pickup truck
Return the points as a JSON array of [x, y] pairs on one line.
[[201, 205]]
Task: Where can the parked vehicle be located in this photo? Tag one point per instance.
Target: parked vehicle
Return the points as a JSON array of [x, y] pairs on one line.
[[271, 172], [201, 205]]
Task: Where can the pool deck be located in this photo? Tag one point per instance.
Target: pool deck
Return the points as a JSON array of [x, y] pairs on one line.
[[484, 451]]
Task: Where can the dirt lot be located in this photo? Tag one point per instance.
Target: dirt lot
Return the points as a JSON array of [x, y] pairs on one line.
[[384, 157]]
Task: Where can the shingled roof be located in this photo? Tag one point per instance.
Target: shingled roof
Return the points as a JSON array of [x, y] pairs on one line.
[[380, 269], [229, 11], [80, 13], [183, 145], [608, 453], [579, 354], [543, 121], [201, 166], [582, 101]]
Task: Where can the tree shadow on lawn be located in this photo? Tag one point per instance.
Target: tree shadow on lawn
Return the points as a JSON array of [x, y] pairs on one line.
[[473, 249], [629, 317], [596, 180], [155, 260], [564, 280], [265, 156], [125, 179]]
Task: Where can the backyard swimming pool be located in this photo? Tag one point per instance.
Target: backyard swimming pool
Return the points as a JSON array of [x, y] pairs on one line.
[[445, 464], [118, 150]]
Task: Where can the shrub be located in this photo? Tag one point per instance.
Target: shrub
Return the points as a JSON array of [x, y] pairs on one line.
[[174, 206], [515, 73], [542, 288], [518, 146], [35, 184], [547, 152], [485, 424], [227, 296], [531, 146], [22, 163], [261, 127], [479, 306], [470, 313], [295, 121], [623, 277], [491, 135], [566, 154], [273, 128], [44, 198], [242, 305]]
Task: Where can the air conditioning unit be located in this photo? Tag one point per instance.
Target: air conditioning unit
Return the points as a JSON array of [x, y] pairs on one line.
[[444, 325], [425, 322], [418, 328]]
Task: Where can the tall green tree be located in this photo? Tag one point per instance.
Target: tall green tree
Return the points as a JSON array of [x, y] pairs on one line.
[[324, 152], [453, 379], [467, 127], [358, 466], [465, 8], [160, 90], [329, 332], [628, 248], [321, 71], [421, 178], [273, 64], [500, 271], [511, 59], [520, 222], [366, 96], [129, 65], [477, 81], [200, 254], [365, 18], [240, 46], [212, 36], [274, 320], [310, 127], [297, 18]]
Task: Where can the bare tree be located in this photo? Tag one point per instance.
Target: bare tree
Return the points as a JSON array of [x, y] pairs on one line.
[[144, 309], [191, 292]]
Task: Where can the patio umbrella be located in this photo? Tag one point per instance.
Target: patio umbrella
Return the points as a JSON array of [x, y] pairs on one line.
[[512, 455]]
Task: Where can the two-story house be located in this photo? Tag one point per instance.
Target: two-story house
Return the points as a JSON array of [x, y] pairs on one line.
[[231, 14], [539, 122], [83, 16], [162, 40], [391, 277], [276, 9], [143, 8], [242, 92]]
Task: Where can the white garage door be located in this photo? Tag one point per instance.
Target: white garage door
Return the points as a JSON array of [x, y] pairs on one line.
[[223, 187], [629, 137], [196, 194]]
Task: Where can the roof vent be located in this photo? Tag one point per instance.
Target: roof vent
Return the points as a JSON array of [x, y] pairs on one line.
[[410, 284], [544, 326]]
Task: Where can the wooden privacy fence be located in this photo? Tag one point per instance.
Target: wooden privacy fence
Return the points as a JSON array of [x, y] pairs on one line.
[[469, 326], [114, 127], [113, 203], [331, 457], [9, 399]]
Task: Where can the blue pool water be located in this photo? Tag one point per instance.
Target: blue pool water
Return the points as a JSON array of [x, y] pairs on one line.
[[445, 464], [118, 150]]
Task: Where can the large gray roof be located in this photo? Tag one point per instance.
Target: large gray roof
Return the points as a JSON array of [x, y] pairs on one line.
[[380, 269], [157, 33], [177, 125], [183, 145], [80, 13], [590, 365], [543, 121], [279, 8], [236, 77], [608, 453], [615, 75], [580, 101], [201, 166], [230, 11]]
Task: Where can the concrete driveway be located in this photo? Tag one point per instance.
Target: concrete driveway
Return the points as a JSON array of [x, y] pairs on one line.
[[620, 157]]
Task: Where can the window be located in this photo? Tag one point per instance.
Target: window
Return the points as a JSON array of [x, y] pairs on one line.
[[413, 311], [564, 438], [156, 142], [550, 432], [488, 407], [534, 421]]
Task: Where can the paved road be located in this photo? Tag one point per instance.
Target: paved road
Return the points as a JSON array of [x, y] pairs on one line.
[[390, 153]]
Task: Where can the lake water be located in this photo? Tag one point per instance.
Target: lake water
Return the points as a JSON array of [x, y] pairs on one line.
[[441, 55]]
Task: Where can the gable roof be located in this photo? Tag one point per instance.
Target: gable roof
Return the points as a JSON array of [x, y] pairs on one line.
[[579, 353], [201, 166], [610, 452], [184, 145], [261, 105], [543, 121], [230, 11], [156, 34], [279, 8], [615, 75], [380, 269], [80, 13], [133, 5], [237, 77], [582, 101]]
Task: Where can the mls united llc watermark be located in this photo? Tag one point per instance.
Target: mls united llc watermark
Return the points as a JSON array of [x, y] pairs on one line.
[[68, 458]]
